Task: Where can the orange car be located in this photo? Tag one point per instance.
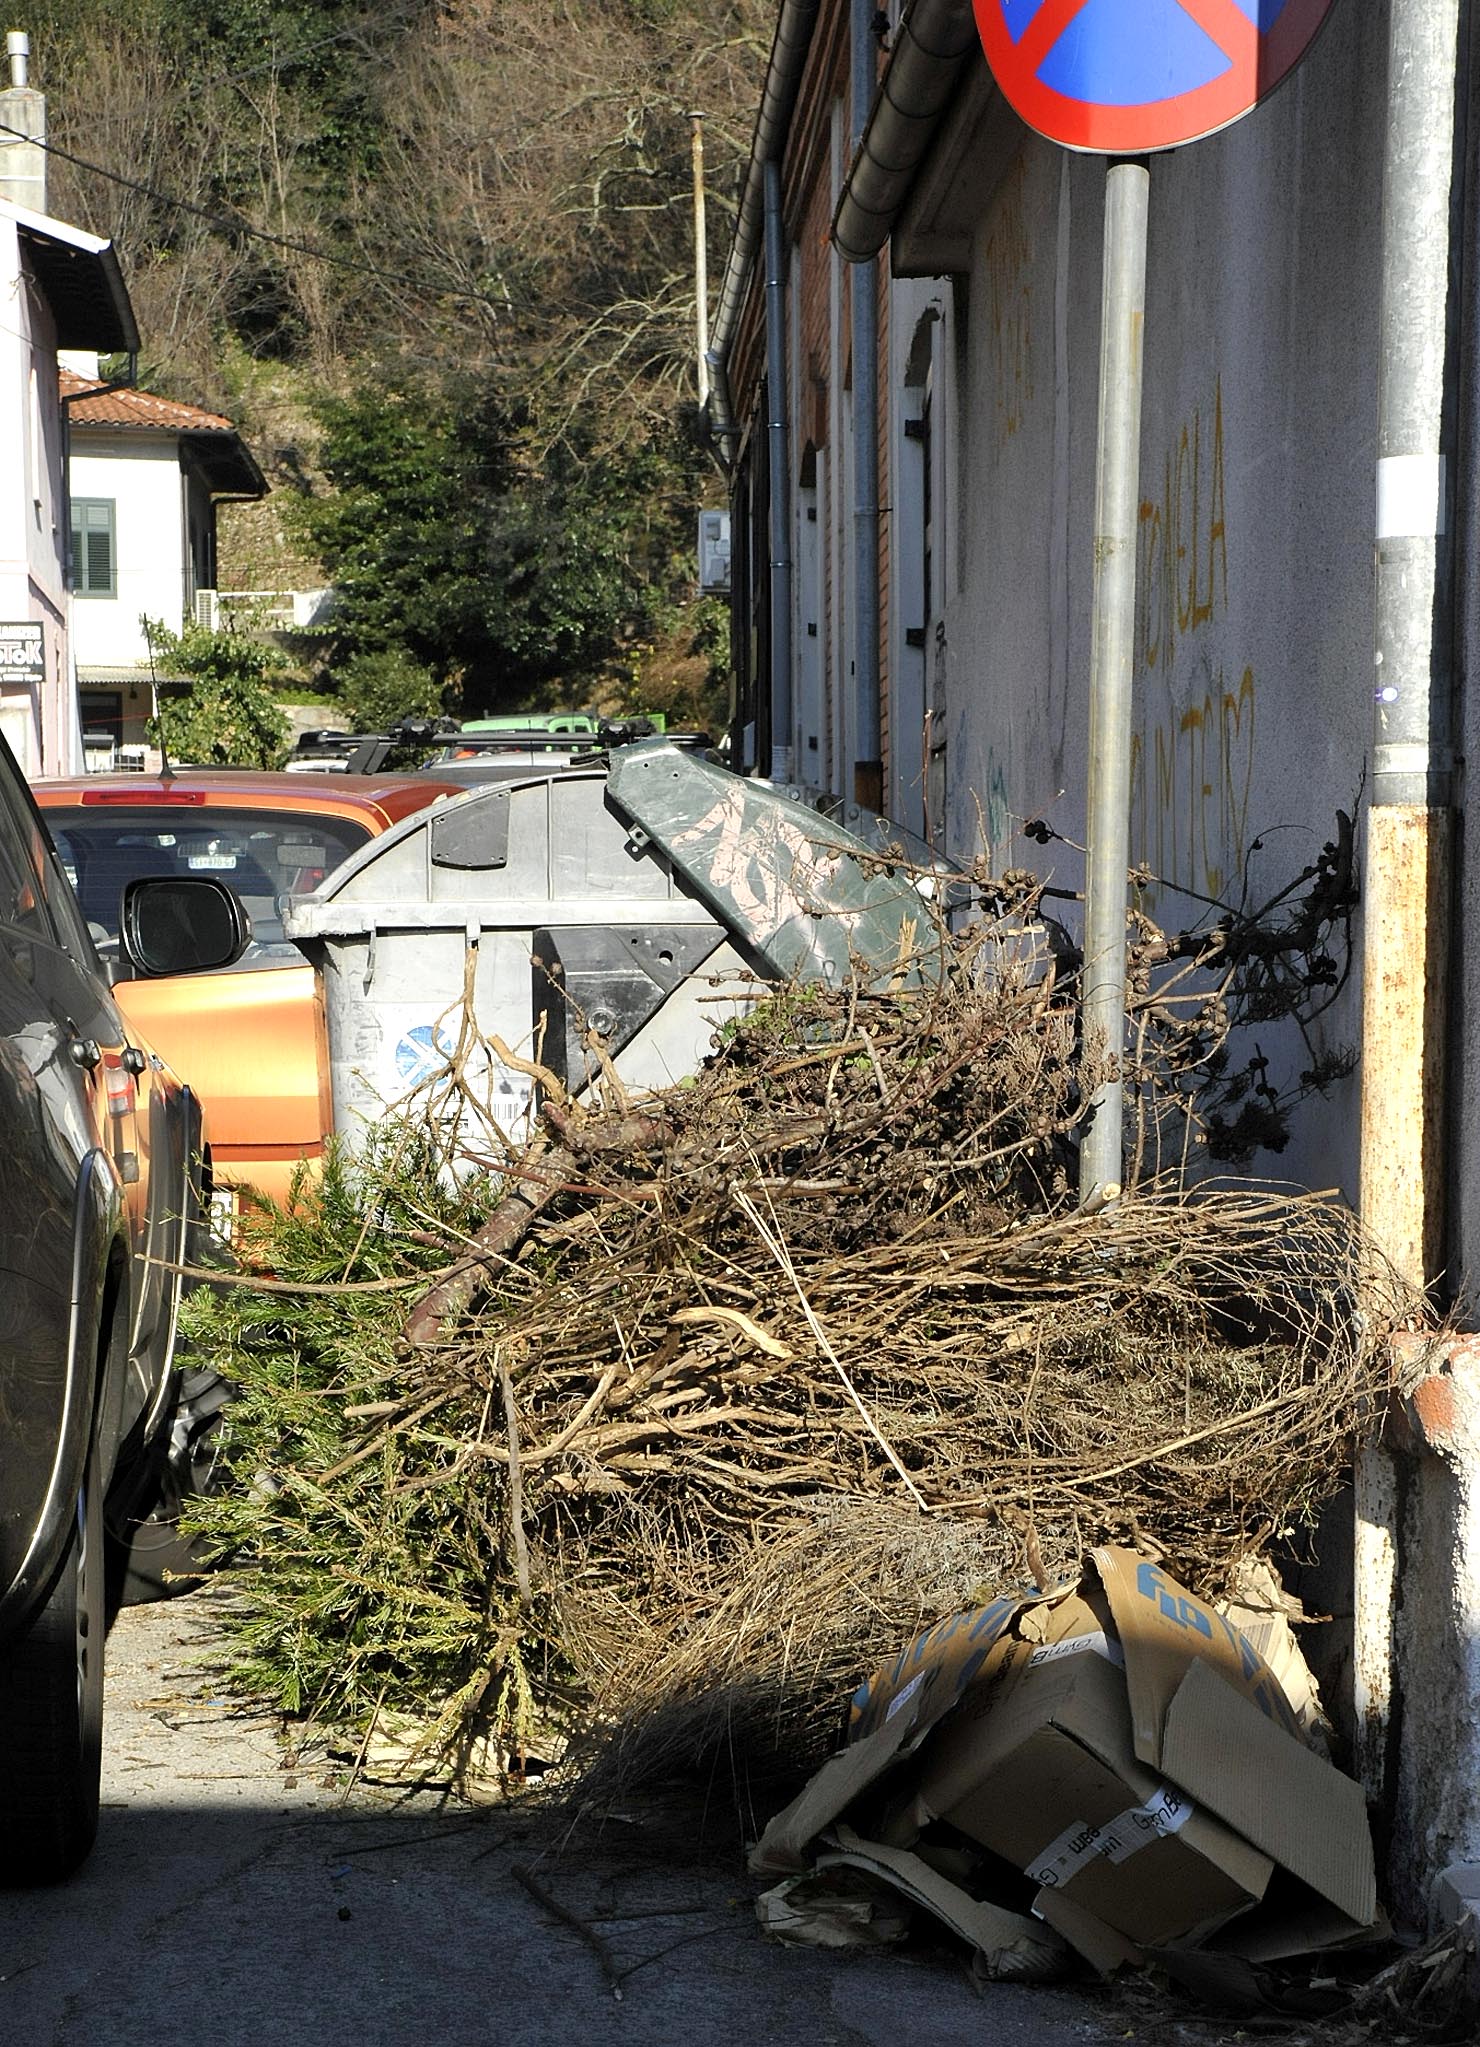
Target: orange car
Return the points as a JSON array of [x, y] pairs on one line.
[[250, 1040]]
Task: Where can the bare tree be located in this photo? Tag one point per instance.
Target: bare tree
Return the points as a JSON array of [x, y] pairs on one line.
[[533, 188]]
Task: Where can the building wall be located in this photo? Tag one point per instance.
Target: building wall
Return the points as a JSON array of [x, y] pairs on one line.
[[915, 424], [814, 457], [141, 474], [1253, 659], [1254, 628], [1254, 624], [38, 723]]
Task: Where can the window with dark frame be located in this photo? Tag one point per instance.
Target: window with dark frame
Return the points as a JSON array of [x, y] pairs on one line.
[[94, 548]]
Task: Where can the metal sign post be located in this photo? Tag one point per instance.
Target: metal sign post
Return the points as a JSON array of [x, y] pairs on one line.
[[1112, 659]]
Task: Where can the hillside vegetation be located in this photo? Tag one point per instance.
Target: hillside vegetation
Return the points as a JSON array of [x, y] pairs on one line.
[[437, 261]]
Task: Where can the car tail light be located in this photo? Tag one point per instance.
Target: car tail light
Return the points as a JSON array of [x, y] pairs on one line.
[[123, 1095], [134, 797]]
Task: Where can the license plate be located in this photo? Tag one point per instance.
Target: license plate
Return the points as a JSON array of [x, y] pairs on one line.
[[223, 1214]]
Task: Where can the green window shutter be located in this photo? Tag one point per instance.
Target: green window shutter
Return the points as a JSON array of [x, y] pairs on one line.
[[99, 560], [93, 565]]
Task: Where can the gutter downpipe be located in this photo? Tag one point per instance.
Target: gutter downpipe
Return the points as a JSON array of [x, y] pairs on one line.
[[779, 472], [778, 98], [868, 766], [1407, 914]]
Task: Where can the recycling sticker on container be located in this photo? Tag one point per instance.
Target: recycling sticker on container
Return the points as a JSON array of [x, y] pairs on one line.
[[418, 1055], [421, 1057]]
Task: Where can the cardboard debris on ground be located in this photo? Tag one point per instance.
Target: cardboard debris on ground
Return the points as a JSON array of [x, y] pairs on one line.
[[839, 1905], [478, 1765], [834, 1908], [1114, 1761], [1263, 1611]]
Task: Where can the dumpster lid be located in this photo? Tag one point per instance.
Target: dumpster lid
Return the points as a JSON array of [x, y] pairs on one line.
[[809, 896]]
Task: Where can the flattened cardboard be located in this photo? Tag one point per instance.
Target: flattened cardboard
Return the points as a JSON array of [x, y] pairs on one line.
[[1164, 1631], [785, 1847], [1304, 1815], [1101, 1946], [826, 1908], [1010, 1944]]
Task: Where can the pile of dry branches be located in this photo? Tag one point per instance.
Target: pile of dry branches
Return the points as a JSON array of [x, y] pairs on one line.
[[739, 1385]]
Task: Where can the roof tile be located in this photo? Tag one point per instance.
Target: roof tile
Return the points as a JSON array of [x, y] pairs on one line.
[[94, 404]]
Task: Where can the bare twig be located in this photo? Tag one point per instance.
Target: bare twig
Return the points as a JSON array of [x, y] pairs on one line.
[[611, 1969]]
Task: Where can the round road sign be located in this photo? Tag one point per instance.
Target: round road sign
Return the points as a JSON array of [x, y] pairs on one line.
[[1122, 77]]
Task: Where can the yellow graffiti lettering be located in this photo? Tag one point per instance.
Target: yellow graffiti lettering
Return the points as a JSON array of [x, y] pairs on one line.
[[1190, 810], [1183, 555]]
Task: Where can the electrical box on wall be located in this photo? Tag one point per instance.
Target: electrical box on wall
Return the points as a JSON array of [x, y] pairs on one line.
[[714, 553]]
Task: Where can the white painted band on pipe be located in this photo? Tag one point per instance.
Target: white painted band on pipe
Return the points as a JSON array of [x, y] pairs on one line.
[[1411, 497], [1411, 757]]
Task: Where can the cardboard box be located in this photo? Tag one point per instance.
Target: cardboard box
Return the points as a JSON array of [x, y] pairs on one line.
[[1127, 1748], [1050, 1780]]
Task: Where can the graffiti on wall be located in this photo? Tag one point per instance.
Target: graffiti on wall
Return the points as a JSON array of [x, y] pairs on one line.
[[996, 822], [1010, 304], [1191, 778], [1182, 574], [1192, 762]]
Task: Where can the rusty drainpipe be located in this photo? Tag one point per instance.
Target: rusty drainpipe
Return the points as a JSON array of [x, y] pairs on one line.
[[1410, 820]]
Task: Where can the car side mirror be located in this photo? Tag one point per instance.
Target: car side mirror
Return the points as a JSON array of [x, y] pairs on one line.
[[172, 926]]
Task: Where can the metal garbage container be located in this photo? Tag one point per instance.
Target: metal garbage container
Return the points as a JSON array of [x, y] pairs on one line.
[[644, 901]]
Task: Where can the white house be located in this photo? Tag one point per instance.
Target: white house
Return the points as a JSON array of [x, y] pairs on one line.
[[145, 476], [60, 288]]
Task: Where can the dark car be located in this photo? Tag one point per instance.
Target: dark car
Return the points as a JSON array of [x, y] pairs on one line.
[[99, 1196]]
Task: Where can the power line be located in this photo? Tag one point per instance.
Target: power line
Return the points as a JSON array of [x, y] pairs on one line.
[[236, 225]]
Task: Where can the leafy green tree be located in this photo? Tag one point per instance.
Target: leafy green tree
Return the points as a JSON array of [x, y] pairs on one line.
[[229, 716], [493, 195], [377, 690], [489, 556], [399, 528]]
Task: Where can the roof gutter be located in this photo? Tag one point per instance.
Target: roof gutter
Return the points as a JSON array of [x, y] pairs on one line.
[[932, 46], [783, 78]]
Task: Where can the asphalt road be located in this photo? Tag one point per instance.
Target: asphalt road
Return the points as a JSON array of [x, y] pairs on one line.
[[234, 1900]]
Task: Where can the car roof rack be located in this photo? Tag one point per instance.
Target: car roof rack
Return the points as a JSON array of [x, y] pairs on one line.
[[365, 753]]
